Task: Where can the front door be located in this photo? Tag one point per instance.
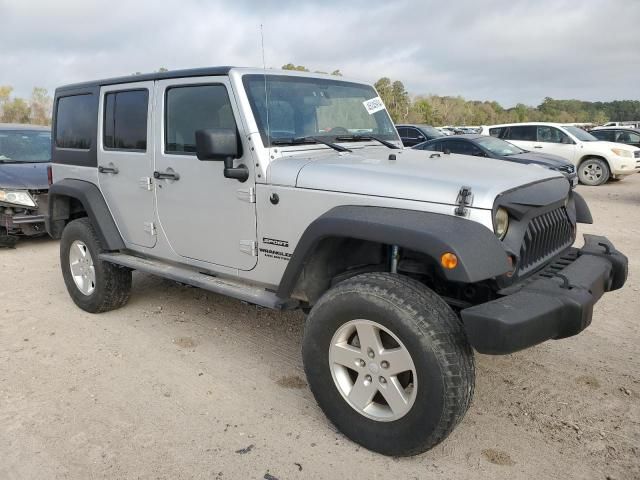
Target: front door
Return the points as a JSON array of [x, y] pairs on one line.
[[125, 159], [552, 140], [204, 215]]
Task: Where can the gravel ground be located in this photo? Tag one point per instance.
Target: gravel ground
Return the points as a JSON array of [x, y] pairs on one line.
[[182, 383]]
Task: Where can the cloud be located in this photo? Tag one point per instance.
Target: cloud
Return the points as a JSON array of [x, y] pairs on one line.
[[508, 50]]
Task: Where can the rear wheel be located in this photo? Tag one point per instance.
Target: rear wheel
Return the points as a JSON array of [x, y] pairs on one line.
[[593, 171], [388, 362], [94, 285]]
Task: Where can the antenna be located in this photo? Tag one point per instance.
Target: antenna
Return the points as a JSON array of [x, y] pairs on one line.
[[266, 91]]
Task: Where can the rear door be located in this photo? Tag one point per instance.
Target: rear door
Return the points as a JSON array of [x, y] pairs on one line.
[[125, 159], [523, 136], [204, 215]]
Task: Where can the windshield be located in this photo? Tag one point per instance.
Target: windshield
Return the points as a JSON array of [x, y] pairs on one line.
[[499, 147], [25, 146], [302, 107], [431, 132], [580, 134]]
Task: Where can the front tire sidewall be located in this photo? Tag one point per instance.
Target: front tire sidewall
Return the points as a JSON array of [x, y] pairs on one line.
[[606, 172], [398, 437]]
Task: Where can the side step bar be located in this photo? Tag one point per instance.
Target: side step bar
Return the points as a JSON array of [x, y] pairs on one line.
[[231, 288]]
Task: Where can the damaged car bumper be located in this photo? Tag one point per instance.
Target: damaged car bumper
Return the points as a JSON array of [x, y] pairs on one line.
[[555, 303]]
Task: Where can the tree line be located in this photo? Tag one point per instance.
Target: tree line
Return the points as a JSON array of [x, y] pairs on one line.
[[446, 110], [435, 110], [34, 110]]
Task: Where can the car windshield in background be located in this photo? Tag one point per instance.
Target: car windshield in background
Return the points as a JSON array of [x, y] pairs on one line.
[[581, 134], [432, 132], [499, 147], [302, 107], [25, 146]]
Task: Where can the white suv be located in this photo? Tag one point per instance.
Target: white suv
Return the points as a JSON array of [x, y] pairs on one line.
[[597, 161]]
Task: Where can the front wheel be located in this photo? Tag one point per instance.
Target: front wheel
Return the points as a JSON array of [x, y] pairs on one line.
[[593, 172], [388, 362]]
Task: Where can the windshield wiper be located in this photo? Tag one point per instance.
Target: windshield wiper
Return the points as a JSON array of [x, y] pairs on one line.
[[301, 140], [356, 138]]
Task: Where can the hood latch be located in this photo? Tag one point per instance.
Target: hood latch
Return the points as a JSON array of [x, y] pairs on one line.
[[464, 200]]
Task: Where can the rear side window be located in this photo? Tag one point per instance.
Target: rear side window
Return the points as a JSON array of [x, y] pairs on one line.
[[497, 132], [75, 122], [463, 148], [191, 108], [125, 120], [525, 132], [402, 131]]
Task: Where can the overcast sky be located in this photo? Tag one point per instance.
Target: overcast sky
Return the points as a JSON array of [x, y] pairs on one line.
[[506, 50]]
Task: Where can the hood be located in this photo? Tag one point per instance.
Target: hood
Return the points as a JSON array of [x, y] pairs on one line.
[[412, 176], [24, 176], [604, 146], [547, 159]]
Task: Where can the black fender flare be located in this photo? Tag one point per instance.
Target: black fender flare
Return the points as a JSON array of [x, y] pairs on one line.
[[480, 254], [583, 214], [89, 195]]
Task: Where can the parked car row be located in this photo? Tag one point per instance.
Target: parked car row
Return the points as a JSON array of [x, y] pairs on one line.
[[597, 161]]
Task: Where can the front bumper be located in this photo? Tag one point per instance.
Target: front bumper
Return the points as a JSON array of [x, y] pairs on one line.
[[555, 303]]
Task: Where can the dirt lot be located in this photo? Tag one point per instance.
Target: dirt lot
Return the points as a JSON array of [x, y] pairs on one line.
[[182, 383]]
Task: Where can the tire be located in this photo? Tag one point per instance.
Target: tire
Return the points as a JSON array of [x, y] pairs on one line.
[[409, 316], [106, 286], [593, 171]]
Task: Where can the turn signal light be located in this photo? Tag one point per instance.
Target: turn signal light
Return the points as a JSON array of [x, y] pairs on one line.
[[449, 261]]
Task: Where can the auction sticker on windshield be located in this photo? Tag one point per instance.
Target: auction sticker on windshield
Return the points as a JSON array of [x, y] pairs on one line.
[[373, 105]]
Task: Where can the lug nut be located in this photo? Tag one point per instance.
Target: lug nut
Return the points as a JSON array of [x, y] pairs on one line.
[[367, 378], [384, 364], [371, 354], [361, 363], [383, 380]]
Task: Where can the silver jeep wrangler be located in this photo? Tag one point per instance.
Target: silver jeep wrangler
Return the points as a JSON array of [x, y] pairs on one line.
[[291, 190]]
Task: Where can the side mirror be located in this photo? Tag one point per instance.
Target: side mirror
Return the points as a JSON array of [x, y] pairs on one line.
[[216, 144], [221, 144], [446, 151]]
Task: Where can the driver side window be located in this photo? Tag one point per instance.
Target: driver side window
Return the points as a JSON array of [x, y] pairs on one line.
[[194, 107], [551, 135]]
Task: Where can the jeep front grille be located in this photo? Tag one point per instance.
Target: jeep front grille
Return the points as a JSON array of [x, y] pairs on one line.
[[546, 236]]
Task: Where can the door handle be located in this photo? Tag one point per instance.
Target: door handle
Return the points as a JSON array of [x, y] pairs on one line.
[[103, 169], [166, 175], [537, 146]]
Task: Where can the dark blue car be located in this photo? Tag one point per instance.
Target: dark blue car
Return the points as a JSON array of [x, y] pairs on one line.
[[490, 147], [25, 153]]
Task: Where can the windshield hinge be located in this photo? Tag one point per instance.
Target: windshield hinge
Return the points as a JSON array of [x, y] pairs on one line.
[[247, 194], [464, 200], [250, 247]]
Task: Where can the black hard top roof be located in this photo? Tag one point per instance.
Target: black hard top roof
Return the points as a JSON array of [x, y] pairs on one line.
[[191, 72]]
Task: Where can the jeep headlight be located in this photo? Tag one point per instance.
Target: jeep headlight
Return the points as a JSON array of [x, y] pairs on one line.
[[501, 222], [17, 197], [622, 153]]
